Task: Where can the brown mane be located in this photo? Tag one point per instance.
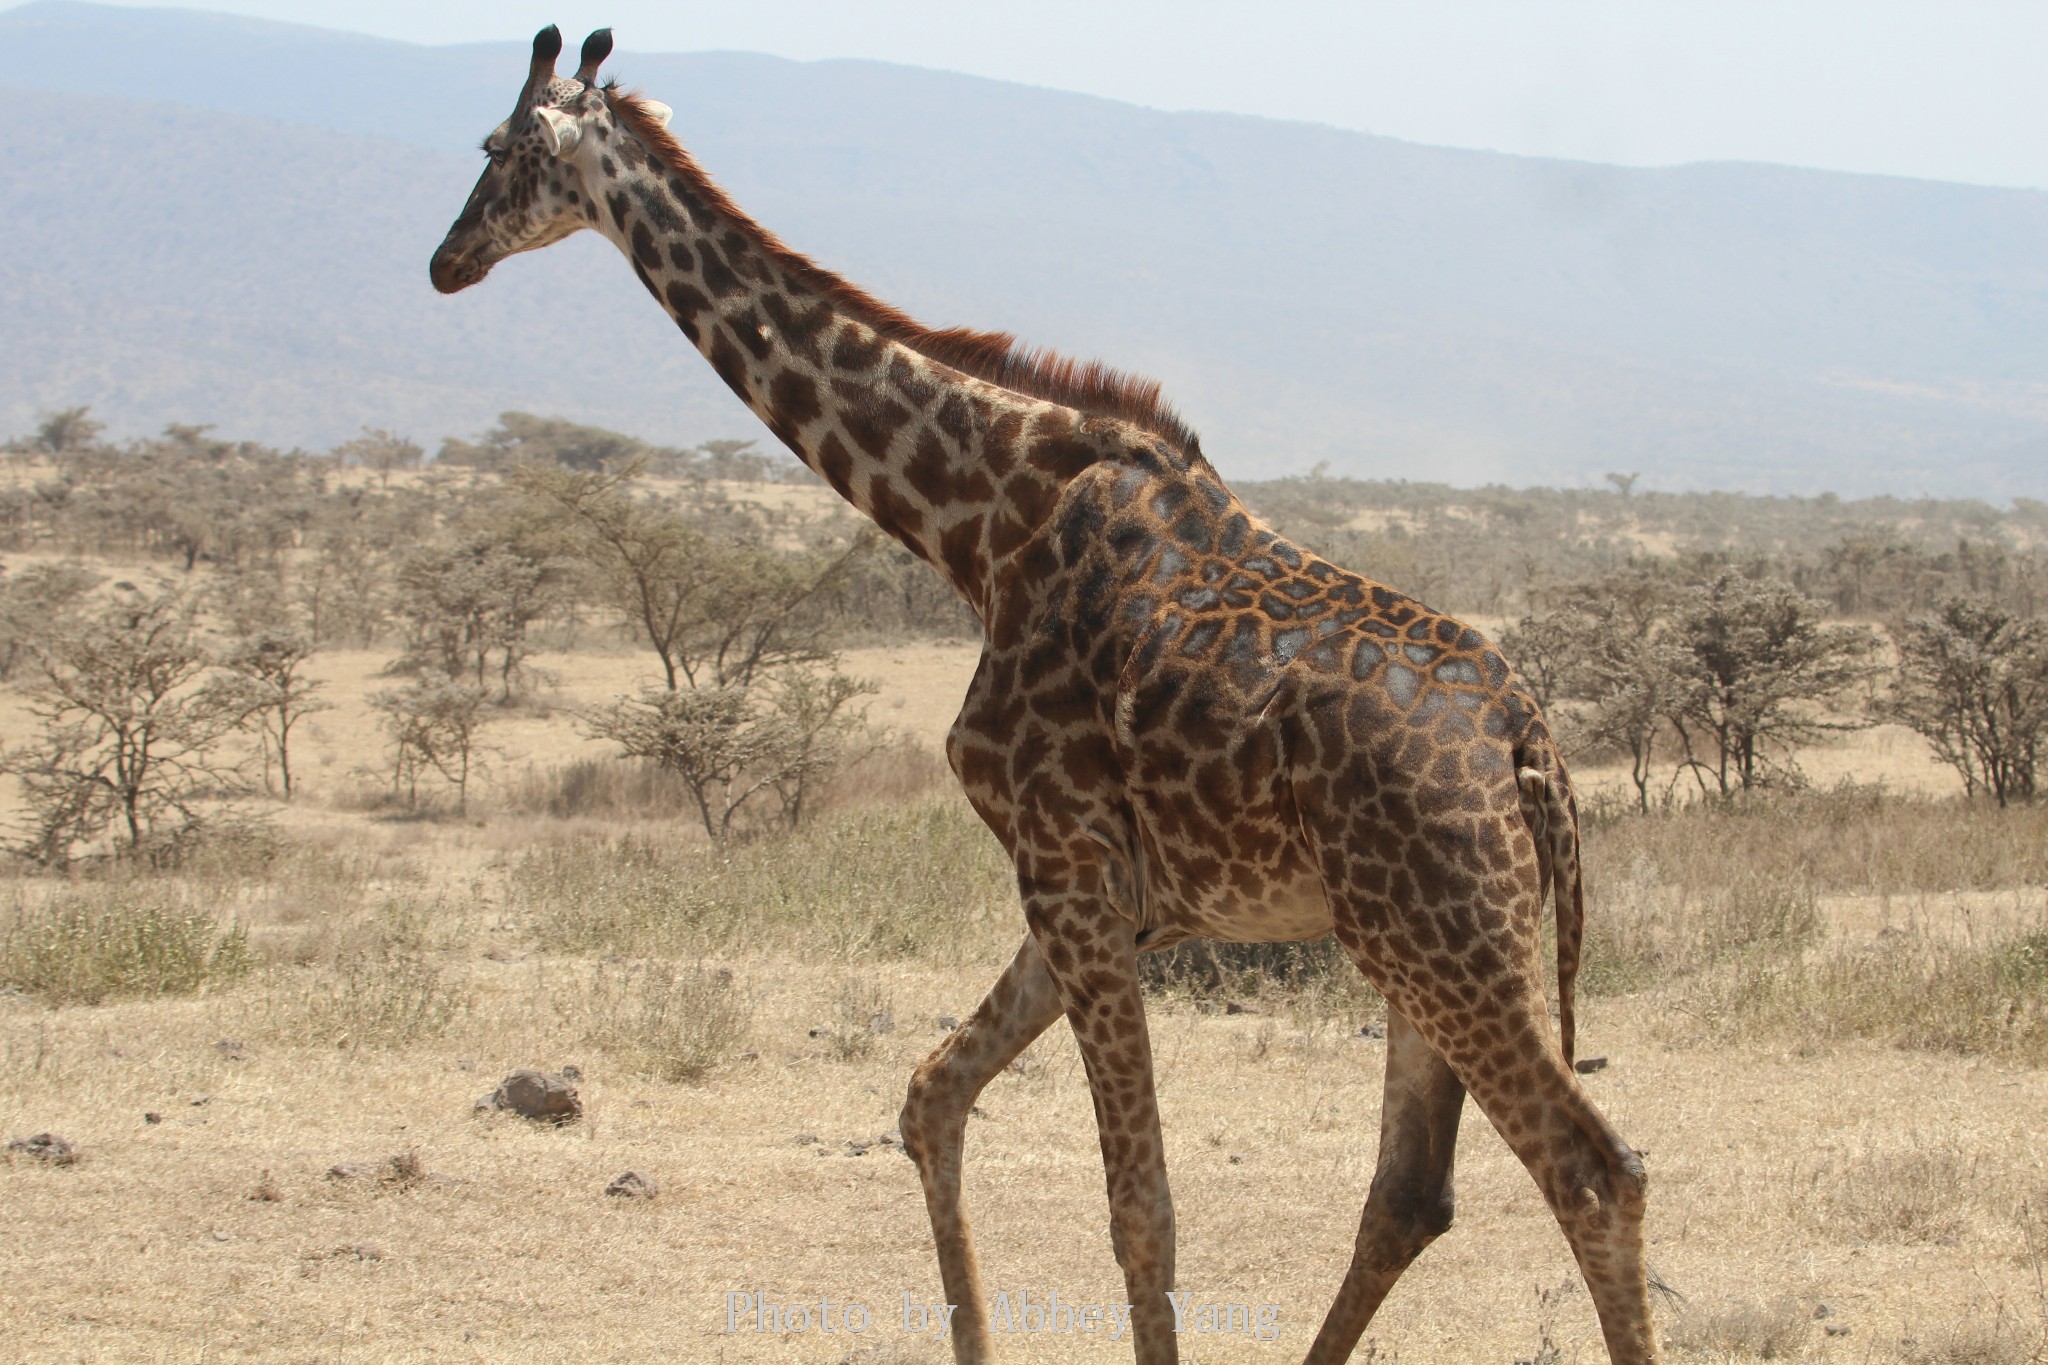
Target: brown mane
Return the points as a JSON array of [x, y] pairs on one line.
[[1088, 386]]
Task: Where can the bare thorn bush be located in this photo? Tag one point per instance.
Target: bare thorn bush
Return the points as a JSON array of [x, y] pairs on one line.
[[1922, 1195], [1740, 1329], [672, 1022], [385, 999], [861, 1013]]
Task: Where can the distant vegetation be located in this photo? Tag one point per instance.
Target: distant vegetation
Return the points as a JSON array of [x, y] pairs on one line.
[[1701, 639]]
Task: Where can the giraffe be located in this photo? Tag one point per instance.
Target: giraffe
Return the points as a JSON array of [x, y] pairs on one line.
[[1181, 724]]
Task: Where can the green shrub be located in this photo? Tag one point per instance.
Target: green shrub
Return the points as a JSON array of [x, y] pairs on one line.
[[117, 939]]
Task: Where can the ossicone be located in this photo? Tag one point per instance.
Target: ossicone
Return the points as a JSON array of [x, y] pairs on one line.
[[596, 48], [547, 45]]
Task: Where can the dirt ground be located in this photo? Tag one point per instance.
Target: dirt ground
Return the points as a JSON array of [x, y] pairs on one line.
[[155, 1247]]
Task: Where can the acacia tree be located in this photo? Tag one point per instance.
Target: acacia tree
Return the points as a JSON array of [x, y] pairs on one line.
[[381, 452], [717, 612], [1607, 644], [1973, 679], [435, 725], [730, 746], [1757, 670], [466, 603], [35, 604], [130, 721], [66, 430], [267, 666]]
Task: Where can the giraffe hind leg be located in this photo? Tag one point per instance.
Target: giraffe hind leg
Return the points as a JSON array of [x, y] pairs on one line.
[[1411, 1199], [1021, 1005], [1482, 1010]]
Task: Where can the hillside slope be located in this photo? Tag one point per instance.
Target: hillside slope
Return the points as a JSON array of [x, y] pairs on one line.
[[1307, 294]]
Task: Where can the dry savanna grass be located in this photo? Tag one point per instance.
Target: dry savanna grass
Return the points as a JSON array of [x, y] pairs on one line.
[[1822, 1017]]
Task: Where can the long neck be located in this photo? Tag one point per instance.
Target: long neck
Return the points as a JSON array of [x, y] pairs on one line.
[[958, 469]]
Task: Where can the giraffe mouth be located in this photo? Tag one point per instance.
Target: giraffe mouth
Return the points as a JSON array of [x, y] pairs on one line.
[[452, 272]]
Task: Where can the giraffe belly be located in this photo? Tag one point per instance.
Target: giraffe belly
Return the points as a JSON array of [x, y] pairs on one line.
[[1256, 885]]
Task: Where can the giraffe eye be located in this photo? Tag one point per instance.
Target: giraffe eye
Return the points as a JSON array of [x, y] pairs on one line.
[[498, 155]]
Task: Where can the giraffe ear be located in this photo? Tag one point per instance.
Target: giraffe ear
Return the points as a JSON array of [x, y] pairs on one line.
[[661, 112], [558, 131]]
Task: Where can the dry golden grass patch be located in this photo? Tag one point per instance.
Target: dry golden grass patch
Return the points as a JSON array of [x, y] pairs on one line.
[[724, 1004]]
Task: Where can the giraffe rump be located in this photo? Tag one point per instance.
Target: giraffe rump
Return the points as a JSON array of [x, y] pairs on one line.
[[1087, 386]]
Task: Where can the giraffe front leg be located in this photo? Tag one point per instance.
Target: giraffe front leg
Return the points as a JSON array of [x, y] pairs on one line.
[[1019, 1007], [1091, 953], [1410, 1203]]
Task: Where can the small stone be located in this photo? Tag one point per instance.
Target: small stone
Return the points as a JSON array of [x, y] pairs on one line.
[[806, 1139], [892, 1138], [821, 1032], [1823, 1310], [152, 1117], [1237, 1158], [535, 1095], [503, 955], [233, 1049], [46, 1147], [1371, 1031], [571, 1072], [362, 1251], [633, 1185], [1835, 1329], [855, 1147], [219, 1235], [198, 1100], [1586, 1066], [349, 1170], [948, 1022]]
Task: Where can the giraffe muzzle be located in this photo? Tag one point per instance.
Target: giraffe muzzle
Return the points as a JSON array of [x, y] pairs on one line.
[[453, 272]]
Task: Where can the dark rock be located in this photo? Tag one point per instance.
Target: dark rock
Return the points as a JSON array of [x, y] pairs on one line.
[[45, 1147], [633, 1185], [572, 1073], [537, 1095], [152, 1117], [1835, 1329], [1371, 1031], [1586, 1066], [197, 1100]]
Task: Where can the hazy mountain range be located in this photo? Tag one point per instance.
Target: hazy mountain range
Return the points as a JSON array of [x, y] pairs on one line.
[[205, 218]]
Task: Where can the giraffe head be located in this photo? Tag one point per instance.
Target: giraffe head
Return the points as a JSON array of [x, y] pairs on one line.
[[536, 189]]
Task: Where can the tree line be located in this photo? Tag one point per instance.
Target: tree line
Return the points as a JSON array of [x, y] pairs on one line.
[[1703, 667]]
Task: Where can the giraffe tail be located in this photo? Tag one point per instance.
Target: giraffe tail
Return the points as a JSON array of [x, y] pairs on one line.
[[1553, 820]]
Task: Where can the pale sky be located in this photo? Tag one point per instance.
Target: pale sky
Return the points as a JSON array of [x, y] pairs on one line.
[[1948, 91]]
